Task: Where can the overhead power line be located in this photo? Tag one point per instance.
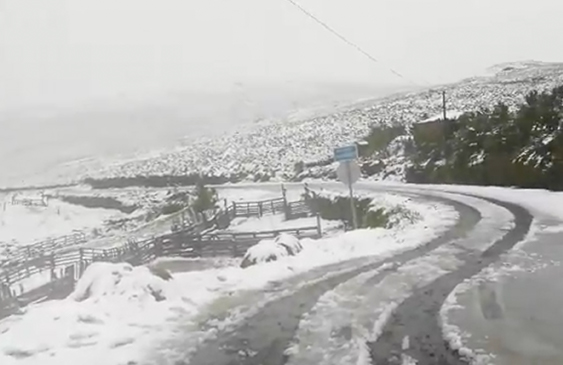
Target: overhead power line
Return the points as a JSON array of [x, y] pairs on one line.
[[345, 40]]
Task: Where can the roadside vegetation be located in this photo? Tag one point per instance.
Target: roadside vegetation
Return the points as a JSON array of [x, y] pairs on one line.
[[368, 214]]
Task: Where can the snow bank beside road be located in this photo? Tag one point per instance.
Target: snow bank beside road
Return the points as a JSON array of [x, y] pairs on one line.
[[539, 202]]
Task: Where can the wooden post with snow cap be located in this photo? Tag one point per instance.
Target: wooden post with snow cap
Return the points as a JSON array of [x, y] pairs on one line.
[[81, 265]]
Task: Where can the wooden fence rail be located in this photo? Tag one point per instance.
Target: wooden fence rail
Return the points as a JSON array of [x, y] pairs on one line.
[[65, 266]]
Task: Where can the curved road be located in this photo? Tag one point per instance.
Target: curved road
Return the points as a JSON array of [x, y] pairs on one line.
[[412, 332]]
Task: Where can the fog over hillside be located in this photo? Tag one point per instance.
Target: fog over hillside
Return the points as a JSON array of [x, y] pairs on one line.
[[39, 142], [110, 77]]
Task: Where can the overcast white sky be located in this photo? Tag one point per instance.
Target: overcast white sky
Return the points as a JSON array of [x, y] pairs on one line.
[[68, 51]]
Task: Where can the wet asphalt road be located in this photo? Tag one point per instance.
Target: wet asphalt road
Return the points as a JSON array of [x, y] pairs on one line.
[[264, 337], [518, 317], [416, 318]]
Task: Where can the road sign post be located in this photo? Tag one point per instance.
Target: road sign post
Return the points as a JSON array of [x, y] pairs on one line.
[[352, 203], [348, 172]]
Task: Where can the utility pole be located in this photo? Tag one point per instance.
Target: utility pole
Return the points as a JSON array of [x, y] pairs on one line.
[[444, 104], [444, 110], [351, 190]]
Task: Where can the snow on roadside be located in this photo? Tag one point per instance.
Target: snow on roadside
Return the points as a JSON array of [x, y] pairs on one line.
[[124, 321], [539, 202]]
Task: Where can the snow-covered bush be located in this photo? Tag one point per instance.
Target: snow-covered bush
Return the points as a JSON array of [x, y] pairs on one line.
[[102, 280], [272, 250]]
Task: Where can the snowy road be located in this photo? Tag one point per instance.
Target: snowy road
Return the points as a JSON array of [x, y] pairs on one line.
[[404, 293]]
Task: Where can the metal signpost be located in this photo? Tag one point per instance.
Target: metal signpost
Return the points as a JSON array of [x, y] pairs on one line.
[[348, 172]]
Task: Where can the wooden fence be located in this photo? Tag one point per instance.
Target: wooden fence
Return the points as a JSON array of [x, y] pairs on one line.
[[27, 252], [222, 218], [65, 267], [259, 208], [38, 201]]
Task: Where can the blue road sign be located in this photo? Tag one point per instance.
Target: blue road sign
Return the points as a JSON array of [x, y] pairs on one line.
[[347, 153]]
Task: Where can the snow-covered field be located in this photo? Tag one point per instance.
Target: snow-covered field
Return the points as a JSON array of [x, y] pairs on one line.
[[130, 313], [23, 225]]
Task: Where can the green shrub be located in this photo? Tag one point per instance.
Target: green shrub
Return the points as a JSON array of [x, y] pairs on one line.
[[339, 209], [375, 219], [206, 198]]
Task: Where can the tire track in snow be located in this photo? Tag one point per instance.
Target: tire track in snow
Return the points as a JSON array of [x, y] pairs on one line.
[[354, 306], [227, 312], [264, 337], [417, 316]]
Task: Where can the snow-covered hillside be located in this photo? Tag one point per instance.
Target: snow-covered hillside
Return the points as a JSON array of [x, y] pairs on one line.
[[275, 148]]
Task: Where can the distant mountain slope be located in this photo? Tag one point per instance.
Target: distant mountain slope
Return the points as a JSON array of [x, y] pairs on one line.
[[299, 149]]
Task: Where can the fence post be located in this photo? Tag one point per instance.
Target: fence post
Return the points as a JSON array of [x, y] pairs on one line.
[[260, 209], [234, 210], [53, 273], [235, 249], [157, 247], [80, 262], [199, 246], [319, 228]]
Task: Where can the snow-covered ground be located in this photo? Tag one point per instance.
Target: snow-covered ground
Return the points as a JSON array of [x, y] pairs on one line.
[[129, 312]]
